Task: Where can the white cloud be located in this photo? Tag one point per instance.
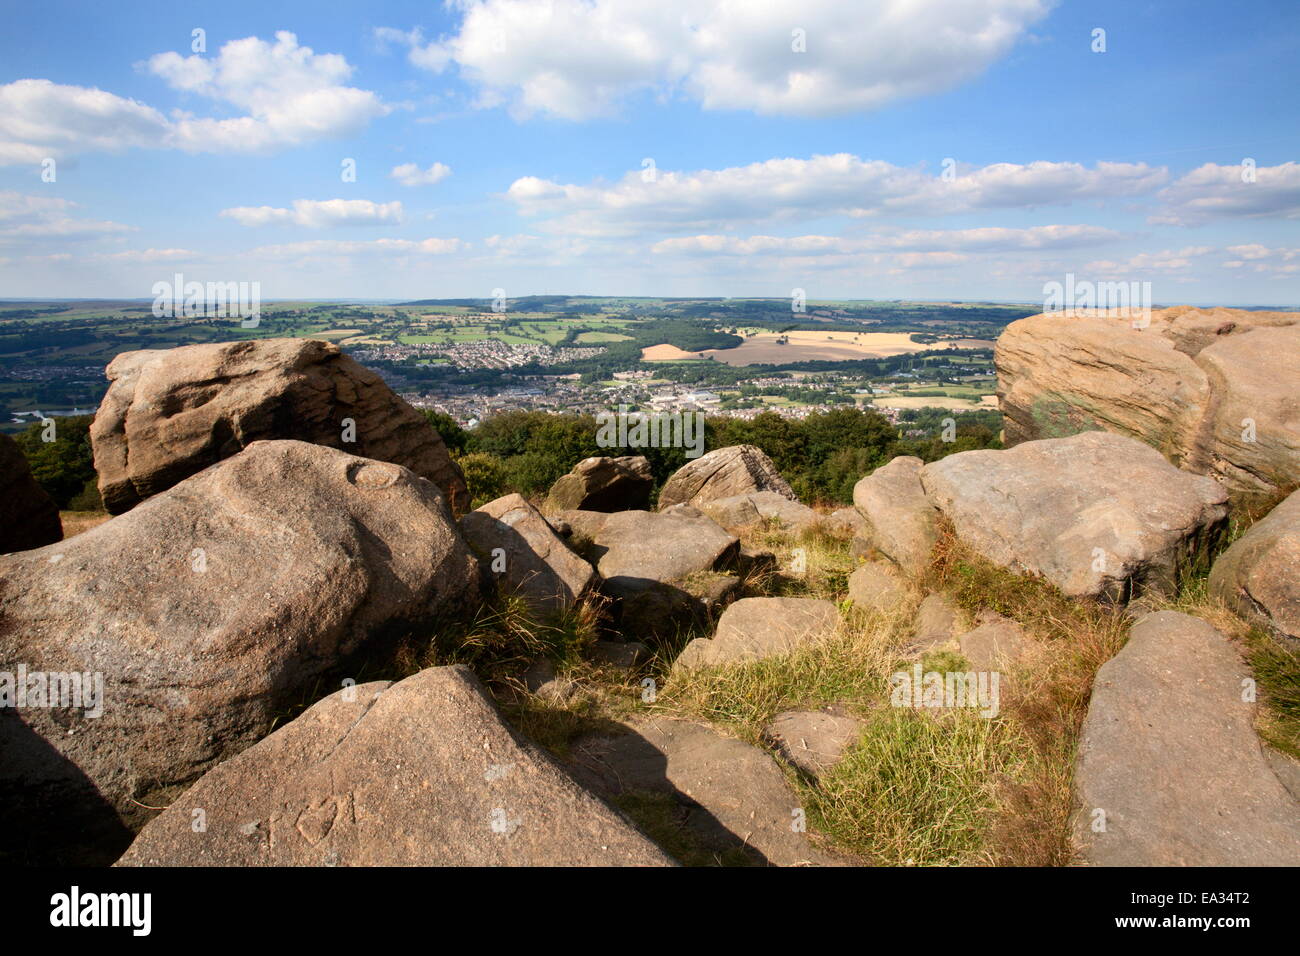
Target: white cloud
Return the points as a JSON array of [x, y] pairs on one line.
[[288, 93], [291, 94], [1219, 192], [988, 239], [838, 185], [40, 119], [319, 213], [1165, 262], [1276, 263], [25, 218], [145, 255], [409, 174], [375, 247], [580, 58]]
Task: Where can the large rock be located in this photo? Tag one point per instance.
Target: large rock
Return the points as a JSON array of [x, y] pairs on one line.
[[518, 548], [876, 585], [170, 413], [1170, 771], [28, 517], [900, 522], [423, 772], [742, 511], [657, 566], [732, 802], [1096, 514], [209, 610], [760, 627], [1211, 390], [813, 740], [1259, 575], [604, 484], [738, 470]]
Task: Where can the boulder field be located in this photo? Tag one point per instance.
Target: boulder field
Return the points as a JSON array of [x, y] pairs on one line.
[[207, 610], [250, 573]]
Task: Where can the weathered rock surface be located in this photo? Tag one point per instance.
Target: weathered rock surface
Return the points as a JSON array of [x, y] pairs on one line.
[[1259, 575], [169, 413], [1211, 390], [1169, 755], [725, 473], [935, 625], [423, 772], [876, 585], [208, 610], [997, 643], [731, 797], [901, 522], [28, 517], [755, 628], [1096, 514], [847, 520], [604, 484], [742, 511], [813, 740], [511, 535], [657, 566]]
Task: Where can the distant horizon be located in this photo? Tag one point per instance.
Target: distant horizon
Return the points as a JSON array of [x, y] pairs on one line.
[[1254, 306]]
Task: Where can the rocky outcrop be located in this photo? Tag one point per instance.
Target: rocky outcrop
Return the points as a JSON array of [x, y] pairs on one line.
[[658, 567], [604, 484], [28, 517], [518, 550], [1259, 575], [171, 413], [730, 799], [423, 772], [1212, 390], [743, 511], [1096, 514], [1170, 771], [207, 611], [725, 473], [900, 522], [761, 627]]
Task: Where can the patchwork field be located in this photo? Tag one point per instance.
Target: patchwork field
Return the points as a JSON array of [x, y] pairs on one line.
[[770, 348]]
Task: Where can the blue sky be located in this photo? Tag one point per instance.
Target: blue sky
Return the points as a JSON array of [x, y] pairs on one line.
[[504, 144]]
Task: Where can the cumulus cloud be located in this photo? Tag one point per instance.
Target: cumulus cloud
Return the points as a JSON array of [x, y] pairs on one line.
[[409, 174], [1221, 192], [837, 185], [25, 218], [319, 214], [287, 93], [291, 95], [580, 58], [40, 119]]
